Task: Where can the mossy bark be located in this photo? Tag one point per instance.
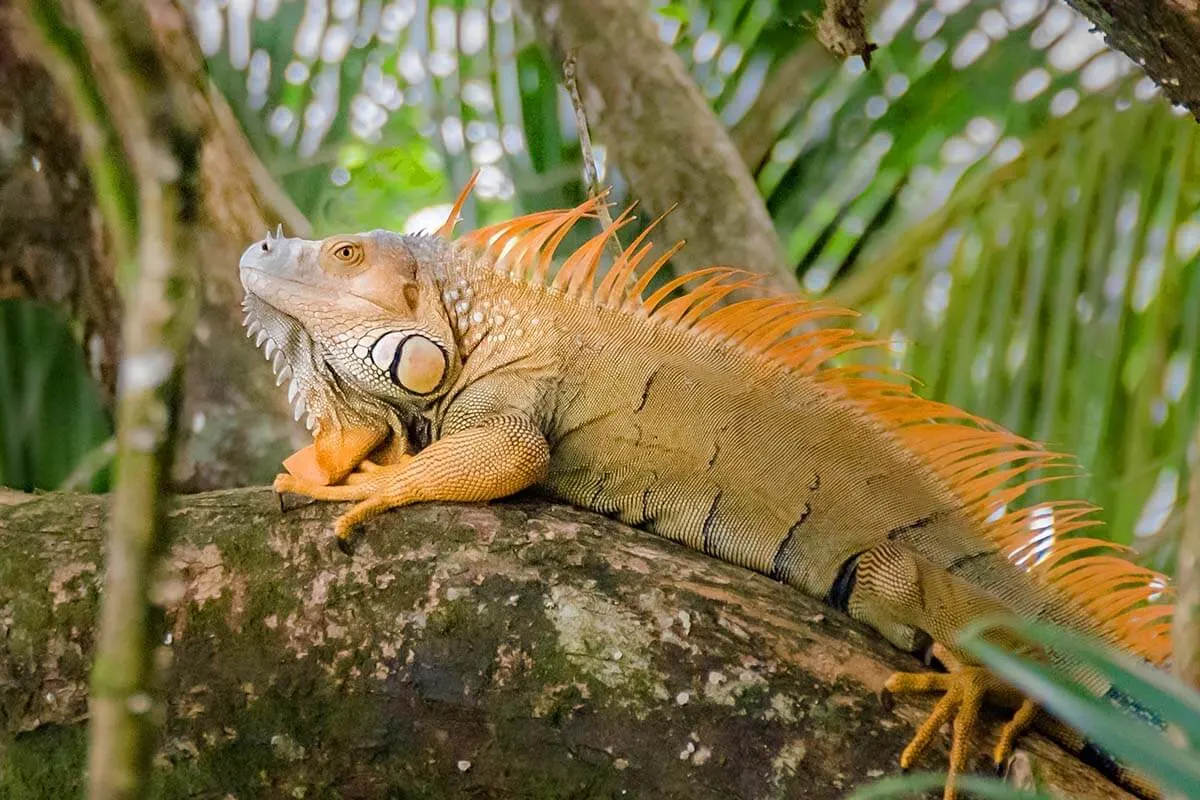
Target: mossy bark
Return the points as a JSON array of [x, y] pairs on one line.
[[521, 649]]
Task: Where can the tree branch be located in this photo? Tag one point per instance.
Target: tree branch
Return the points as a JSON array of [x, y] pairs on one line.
[[511, 650], [663, 136], [1163, 36]]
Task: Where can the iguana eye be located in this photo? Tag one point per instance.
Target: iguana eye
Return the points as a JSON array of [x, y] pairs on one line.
[[342, 256]]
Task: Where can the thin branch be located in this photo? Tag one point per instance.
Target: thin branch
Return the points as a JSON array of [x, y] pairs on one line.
[[113, 52], [590, 171]]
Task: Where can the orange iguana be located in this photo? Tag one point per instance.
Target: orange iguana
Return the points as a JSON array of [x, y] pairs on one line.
[[470, 369]]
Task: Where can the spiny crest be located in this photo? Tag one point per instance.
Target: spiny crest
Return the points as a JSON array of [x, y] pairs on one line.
[[988, 468]]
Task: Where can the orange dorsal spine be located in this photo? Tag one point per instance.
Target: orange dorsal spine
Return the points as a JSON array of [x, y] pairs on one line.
[[988, 468], [447, 229]]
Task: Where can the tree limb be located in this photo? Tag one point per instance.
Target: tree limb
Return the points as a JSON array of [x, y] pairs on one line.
[[511, 650], [663, 136], [1163, 36], [785, 91]]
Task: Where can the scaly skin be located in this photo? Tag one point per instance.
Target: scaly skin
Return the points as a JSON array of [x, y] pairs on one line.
[[497, 384]]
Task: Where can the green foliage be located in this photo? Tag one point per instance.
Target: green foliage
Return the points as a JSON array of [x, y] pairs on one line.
[[1058, 295], [50, 410], [1138, 742]]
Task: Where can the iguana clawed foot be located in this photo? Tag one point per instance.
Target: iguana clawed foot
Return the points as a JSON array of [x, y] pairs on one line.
[[965, 691], [358, 486]]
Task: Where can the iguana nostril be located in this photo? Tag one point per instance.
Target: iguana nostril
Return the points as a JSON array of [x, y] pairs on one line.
[[266, 248]]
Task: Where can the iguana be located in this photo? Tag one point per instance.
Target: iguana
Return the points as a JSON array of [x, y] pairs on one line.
[[467, 370]]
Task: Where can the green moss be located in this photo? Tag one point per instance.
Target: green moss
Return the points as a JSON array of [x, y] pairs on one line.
[[33, 612], [754, 699], [454, 619], [47, 762]]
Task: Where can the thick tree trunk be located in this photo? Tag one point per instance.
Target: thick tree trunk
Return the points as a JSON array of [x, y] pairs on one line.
[[521, 649], [53, 249], [662, 134]]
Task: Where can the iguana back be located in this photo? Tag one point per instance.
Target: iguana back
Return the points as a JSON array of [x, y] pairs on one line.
[[710, 447], [727, 431]]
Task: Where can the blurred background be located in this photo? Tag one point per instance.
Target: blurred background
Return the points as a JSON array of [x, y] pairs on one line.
[[1011, 204]]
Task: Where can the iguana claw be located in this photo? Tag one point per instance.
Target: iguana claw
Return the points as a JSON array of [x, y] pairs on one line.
[[345, 545], [965, 691], [284, 505]]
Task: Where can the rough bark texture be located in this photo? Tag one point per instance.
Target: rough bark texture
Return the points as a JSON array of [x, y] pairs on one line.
[[1161, 35], [53, 249], [842, 30], [662, 134], [521, 649]]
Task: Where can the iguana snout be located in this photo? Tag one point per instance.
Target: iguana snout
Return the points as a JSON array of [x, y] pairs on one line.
[[281, 270]]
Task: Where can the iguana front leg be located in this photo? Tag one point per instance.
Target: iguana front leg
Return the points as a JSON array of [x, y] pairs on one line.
[[498, 456]]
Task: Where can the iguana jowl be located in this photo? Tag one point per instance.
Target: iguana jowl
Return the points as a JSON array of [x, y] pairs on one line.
[[470, 369]]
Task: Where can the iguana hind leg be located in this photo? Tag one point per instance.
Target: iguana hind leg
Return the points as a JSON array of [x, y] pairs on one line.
[[497, 457], [894, 590]]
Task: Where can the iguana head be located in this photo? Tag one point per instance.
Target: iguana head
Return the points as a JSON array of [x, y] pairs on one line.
[[357, 321], [365, 304]]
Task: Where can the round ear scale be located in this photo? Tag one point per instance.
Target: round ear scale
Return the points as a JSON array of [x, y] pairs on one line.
[[414, 362]]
